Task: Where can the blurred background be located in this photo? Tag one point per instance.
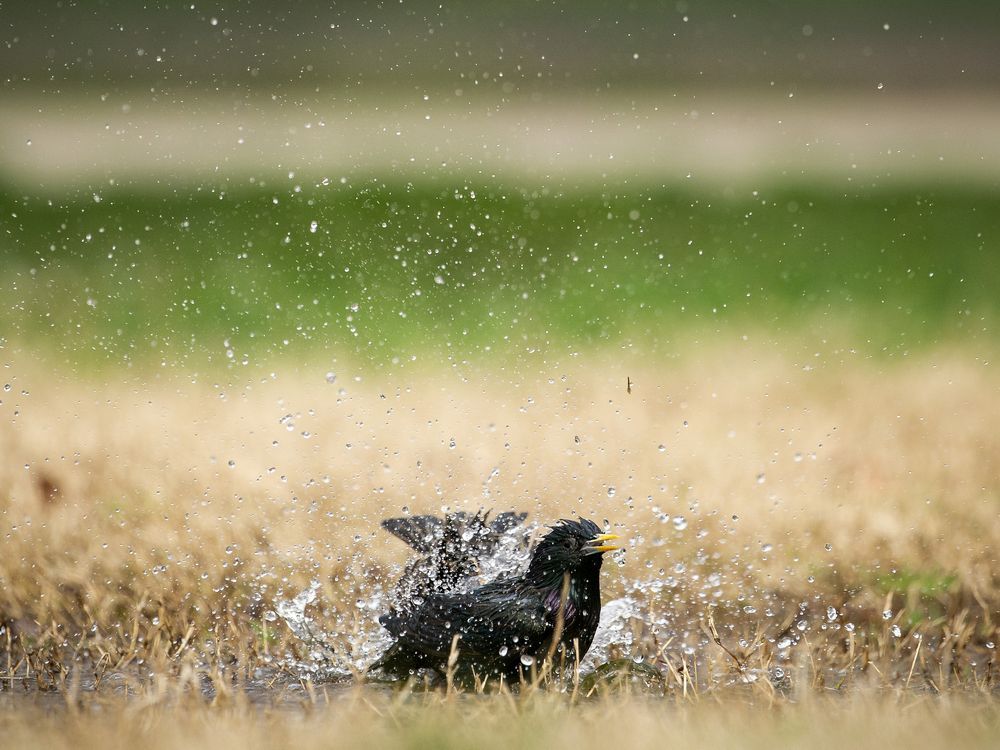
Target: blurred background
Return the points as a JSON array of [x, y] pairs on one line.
[[724, 274], [230, 183]]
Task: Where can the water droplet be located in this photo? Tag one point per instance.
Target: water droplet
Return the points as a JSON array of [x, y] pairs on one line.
[[331, 377], [831, 613], [611, 491], [765, 548], [784, 643], [527, 660], [680, 523], [896, 631], [313, 226], [761, 478], [887, 614], [503, 651]]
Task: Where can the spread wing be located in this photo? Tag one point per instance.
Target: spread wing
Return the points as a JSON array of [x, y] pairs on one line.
[[486, 620], [420, 532]]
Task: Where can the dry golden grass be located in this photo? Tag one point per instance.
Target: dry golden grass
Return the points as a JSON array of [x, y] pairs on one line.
[[359, 719], [149, 524]]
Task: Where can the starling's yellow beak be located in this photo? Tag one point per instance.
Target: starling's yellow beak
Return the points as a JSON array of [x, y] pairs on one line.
[[597, 544]]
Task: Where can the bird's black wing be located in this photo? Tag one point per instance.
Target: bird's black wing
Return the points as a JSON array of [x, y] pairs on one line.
[[420, 532], [487, 620], [424, 533]]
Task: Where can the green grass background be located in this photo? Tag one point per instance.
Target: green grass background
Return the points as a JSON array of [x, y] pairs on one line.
[[445, 269]]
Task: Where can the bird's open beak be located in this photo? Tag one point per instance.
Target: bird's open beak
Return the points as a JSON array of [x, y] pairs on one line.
[[596, 544]]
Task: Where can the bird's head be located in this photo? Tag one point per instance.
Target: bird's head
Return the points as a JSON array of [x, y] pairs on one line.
[[570, 546]]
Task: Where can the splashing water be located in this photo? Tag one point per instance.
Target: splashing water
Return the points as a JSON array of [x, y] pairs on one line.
[[293, 612], [510, 557], [343, 654], [613, 629], [657, 619]]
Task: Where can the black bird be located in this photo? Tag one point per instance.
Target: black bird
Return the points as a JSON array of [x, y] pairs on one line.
[[453, 549], [508, 625]]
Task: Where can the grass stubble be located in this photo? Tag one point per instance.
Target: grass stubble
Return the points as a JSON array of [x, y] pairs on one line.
[[812, 544]]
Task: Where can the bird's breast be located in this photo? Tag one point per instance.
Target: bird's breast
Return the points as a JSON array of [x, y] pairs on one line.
[[553, 602]]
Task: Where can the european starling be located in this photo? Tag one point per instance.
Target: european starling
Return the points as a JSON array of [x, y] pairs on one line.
[[453, 549], [504, 627]]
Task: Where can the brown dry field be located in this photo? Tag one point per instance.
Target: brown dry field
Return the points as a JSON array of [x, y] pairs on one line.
[[150, 521], [543, 721], [893, 464]]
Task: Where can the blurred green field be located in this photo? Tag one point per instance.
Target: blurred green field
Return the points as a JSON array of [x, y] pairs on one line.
[[389, 272]]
